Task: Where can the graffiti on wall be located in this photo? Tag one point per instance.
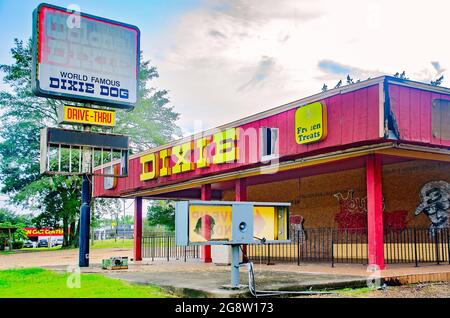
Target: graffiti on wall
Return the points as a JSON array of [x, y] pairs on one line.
[[353, 213], [435, 203], [296, 231]]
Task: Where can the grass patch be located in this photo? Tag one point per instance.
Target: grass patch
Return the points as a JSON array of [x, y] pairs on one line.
[[353, 292], [41, 283], [32, 250], [39, 249], [111, 243]]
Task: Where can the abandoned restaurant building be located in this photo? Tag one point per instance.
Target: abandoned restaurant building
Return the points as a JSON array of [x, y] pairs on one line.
[[366, 168]]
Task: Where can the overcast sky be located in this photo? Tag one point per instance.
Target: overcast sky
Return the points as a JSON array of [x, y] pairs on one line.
[[223, 60]]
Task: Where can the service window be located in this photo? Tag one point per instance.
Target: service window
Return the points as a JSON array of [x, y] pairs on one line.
[[440, 119], [269, 143]]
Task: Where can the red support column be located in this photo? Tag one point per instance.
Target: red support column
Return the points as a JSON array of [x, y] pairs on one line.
[[206, 195], [137, 228], [241, 189], [241, 195], [375, 211]]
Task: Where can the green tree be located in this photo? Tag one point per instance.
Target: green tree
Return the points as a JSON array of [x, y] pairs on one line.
[[19, 234], [23, 115], [152, 122], [438, 81], [162, 213], [8, 216]]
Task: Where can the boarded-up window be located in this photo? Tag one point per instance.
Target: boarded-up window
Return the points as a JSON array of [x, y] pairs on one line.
[[440, 119]]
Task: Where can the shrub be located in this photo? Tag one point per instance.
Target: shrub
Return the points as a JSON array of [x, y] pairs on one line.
[[17, 245]]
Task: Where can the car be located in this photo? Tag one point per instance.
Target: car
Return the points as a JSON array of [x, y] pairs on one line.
[[43, 243], [30, 244], [57, 242]]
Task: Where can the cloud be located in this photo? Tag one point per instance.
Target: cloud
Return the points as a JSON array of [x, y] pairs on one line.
[[262, 71], [248, 12], [231, 59], [437, 67], [333, 70], [330, 66], [217, 34]]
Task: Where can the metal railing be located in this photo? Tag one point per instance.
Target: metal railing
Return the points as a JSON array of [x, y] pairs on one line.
[[316, 245], [410, 245], [162, 246], [417, 245]]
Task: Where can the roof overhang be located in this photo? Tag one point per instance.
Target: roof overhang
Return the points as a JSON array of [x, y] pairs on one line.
[[389, 148]]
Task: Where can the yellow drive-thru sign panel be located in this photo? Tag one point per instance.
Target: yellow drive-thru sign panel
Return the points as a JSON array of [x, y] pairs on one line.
[[264, 222], [311, 123], [87, 116], [213, 223], [210, 223]]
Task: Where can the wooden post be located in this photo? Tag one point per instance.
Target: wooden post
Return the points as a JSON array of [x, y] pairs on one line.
[[9, 240]]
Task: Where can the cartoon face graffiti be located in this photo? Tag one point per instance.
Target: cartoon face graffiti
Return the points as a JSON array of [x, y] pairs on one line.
[[435, 197]]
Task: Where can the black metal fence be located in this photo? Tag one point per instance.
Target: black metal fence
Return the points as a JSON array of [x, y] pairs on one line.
[[316, 245], [417, 245], [410, 245], [162, 246]]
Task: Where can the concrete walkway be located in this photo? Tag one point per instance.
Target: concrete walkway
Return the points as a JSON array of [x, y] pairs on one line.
[[210, 283], [197, 279]]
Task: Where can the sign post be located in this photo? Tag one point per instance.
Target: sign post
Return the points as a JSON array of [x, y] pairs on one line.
[[94, 60], [85, 210], [235, 266], [85, 220]]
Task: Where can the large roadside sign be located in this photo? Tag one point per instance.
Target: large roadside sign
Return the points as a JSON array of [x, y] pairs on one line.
[[84, 58]]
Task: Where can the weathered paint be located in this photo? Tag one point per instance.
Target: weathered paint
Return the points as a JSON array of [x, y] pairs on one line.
[[352, 118], [412, 112], [375, 211]]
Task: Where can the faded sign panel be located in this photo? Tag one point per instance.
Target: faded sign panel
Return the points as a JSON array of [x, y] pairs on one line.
[[264, 222], [210, 223], [214, 223], [94, 59]]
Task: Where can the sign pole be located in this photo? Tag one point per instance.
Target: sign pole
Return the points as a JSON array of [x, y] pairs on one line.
[[85, 212], [85, 218], [115, 88]]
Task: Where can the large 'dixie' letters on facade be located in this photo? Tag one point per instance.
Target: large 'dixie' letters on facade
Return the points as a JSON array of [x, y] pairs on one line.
[[218, 148]]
